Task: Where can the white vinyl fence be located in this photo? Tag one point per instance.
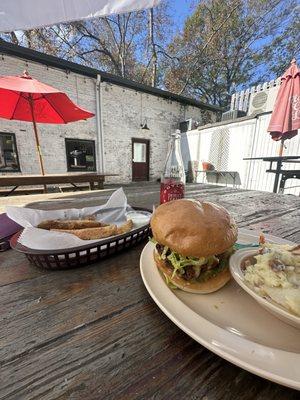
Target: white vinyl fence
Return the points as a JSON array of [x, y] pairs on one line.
[[225, 146]]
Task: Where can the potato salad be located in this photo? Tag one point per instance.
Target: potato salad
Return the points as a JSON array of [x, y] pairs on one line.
[[276, 274]]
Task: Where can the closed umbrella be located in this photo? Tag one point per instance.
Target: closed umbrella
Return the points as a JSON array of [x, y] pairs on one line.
[[23, 98], [285, 119]]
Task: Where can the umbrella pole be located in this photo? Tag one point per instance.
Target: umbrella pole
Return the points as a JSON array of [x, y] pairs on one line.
[[38, 147], [281, 147]]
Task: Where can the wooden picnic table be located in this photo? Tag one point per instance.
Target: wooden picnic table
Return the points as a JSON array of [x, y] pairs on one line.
[[95, 333], [94, 180]]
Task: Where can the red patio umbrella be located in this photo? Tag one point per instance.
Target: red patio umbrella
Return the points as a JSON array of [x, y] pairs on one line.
[[285, 119], [23, 98]]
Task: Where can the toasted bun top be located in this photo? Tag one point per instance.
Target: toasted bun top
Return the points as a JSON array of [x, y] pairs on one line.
[[194, 228]]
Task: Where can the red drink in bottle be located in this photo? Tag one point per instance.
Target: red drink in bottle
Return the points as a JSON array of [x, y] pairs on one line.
[[173, 178], [171, 191]]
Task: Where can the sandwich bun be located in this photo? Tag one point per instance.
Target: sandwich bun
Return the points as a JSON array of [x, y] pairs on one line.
[[211, 285], [194, 228]]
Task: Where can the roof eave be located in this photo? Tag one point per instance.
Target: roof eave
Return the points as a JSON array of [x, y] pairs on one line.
[[52, 61]]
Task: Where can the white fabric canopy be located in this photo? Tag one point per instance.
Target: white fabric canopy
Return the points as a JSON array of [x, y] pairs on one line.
[[28, 14]]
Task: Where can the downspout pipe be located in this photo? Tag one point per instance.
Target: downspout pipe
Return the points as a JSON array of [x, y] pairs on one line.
[[99, 126]]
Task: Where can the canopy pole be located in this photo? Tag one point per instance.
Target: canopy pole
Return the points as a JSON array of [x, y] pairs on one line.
[[38, 147], [281, 147]]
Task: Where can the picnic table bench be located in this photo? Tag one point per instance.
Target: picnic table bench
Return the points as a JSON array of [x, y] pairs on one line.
[[95, 333], [94, 180]]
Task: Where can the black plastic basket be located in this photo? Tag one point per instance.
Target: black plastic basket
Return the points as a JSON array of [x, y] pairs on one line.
[[83, 255]]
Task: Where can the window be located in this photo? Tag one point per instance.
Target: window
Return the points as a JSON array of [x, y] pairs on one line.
[[9, 161], [80, 155], [139, 152]]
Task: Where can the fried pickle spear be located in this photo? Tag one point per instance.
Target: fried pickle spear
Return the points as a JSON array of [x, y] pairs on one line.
[[98, 232], [126, 227], [91, 233], [69, 224]]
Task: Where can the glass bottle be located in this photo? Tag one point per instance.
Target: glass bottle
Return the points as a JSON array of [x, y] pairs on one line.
[[173, 178]]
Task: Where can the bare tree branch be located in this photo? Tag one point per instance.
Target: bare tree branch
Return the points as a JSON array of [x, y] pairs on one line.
[[194, 66]]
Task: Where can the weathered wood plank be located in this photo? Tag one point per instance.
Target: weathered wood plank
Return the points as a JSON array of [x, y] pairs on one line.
[[136, 354], [33, 314], [22, 180], [14, 268], [285, 225]]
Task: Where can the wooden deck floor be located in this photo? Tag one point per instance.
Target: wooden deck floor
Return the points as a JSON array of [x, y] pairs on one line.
[[23, 200]]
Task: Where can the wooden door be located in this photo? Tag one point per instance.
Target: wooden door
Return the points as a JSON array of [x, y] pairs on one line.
[[140, 159]]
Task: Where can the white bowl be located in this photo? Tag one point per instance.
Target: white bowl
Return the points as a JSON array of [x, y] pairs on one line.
[[139, 218], [277, 310]]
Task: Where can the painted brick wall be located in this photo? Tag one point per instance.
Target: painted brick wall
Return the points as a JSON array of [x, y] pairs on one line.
[[52, 137], [123, 110]]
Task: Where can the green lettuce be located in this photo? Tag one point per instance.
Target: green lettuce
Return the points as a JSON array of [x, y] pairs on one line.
[[152, 240], [179, 263], [169, 283]]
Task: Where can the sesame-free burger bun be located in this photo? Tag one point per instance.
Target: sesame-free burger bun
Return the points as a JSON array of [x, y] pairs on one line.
[[211, 285], [194, 228]]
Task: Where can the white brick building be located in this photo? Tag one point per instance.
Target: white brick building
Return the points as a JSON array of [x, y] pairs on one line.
[[120, 106]]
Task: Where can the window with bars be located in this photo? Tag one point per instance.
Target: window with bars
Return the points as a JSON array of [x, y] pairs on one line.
[[9, 160], [80, 155]]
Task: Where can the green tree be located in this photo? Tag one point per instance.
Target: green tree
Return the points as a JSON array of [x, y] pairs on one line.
[[227, 44], [285, 46], [130, 45]]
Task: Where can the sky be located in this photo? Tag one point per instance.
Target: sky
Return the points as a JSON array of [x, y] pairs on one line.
[[179, 10]]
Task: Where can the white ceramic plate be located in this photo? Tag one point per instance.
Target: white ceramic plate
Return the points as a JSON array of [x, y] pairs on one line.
[[230, 323], [270, 305]]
